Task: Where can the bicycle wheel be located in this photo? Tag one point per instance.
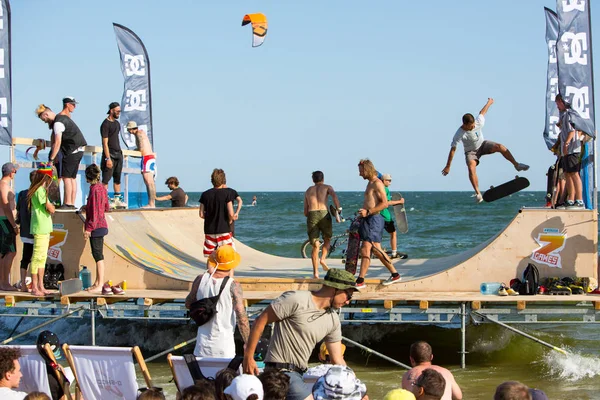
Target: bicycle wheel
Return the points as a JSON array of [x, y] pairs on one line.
[[306, 249], [336, 241]]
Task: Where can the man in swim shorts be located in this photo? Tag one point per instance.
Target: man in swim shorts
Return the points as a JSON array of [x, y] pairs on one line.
[[318, 219], [148, 166], [8, 226], [371, 225]]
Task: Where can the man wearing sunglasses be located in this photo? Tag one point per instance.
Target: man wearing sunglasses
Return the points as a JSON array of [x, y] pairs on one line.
[[302, 319], [8, 226]]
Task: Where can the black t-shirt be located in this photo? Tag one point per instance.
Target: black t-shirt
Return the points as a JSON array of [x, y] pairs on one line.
[[215, 210], [178, 197], [110, 130]]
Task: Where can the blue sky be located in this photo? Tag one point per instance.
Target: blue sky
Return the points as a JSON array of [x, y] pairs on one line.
[[334, 82]]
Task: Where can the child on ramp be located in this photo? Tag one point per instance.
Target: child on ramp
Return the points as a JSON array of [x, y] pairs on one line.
[[41, 226], [96, 228]]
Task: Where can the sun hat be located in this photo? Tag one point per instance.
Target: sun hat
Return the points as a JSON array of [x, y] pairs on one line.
[[131, 125], [323, 352], [70, 99], [8, 168], [339, 382], [224, 258], [112, 105], [399, 394], [339, 279], [386, 177], [243, 386], [45, 169]]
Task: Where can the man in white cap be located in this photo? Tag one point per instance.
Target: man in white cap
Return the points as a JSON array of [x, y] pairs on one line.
[[243, 386], [148, 160], [8, 226]]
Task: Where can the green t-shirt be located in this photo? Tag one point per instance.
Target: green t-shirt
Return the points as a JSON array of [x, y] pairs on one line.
[[41, 220], [385, 213]]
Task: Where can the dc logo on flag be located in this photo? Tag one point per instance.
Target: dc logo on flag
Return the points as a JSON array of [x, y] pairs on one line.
[[576, 50], [135, 65], [580, 101], [552, 51], [136, 100], [570, 5]]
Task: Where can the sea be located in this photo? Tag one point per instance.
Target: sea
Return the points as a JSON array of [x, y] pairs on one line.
[[440, 224]]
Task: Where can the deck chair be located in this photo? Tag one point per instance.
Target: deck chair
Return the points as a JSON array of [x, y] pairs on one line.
[[35, 373], [106, 373], [208, 366]]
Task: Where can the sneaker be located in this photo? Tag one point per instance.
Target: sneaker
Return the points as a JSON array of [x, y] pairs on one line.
[[561, 206], [511, 292], [570, 205], [360, 286], [106, 290], [502, 291], [579, 204], [117, 290], [391, 280], [522, 167], [478, 198]]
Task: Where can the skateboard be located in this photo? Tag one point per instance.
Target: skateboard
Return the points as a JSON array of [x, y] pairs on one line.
[[550, 184], [54, 189], [353, 249], [335, 214], [400, 214], [506, 189]]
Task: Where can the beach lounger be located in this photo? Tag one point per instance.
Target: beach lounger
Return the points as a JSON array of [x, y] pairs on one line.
[[208, 366], [106, 373], [35, 373]]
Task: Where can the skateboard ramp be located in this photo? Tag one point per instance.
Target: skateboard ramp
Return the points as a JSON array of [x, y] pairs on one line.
[[162, 249]]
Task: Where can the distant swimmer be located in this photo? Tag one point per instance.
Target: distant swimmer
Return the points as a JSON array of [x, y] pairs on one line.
[[253, 201], [318, 219], [177, 196], [148, 166], [471, 135]]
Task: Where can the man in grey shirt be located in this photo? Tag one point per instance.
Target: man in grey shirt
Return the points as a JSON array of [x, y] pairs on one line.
[[302, 319], [471, 135]]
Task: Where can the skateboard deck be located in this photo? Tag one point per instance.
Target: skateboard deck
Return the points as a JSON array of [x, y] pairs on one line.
[[506, 189], [54, 189], [353, 249], [400, 214], [335, 214], [70, 286]]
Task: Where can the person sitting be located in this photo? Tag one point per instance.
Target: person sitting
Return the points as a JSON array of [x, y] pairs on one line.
[[10, 374], [339, 382], [153, 393], [512, 390], [275, 384], [245, 387], [430, 385], [177, 196], [202, 390], [399, 394], [222, 381], [37, 396]]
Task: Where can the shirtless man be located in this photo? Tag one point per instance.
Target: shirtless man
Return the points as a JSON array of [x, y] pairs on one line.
[[318, 219], [421, 356], [371, 225], [8, 227], [148, 161]]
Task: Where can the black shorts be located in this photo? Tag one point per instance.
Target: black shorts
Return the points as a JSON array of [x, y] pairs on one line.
[[114, 172], [389, 226], [571, 163], [70, 165]]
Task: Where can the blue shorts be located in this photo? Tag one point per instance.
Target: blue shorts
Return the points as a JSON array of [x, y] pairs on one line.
[[371, 228], [297, 389]]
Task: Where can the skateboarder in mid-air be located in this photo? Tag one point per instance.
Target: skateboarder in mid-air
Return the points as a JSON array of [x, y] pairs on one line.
[[471, 135]]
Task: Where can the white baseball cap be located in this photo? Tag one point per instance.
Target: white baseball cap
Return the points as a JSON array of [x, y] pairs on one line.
[[243, 386]]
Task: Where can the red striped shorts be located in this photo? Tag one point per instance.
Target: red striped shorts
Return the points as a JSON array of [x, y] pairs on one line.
[[214, 240]]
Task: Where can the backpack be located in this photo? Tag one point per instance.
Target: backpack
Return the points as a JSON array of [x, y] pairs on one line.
[[203, 310], [196, 372], [53, 274], [530, 282]]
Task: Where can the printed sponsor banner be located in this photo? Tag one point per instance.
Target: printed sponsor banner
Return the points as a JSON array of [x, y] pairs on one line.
[[58, 237], [551, 242], [5, 75], [136, 104], [551, 131]]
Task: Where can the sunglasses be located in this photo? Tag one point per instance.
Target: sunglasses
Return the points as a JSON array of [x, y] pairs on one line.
[[349, 294]]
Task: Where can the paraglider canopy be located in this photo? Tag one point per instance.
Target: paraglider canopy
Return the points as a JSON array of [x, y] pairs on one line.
[[259, 27]]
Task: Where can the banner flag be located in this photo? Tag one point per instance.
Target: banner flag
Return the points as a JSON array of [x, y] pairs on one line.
[[5, 75], [136, 104], [551, 131]]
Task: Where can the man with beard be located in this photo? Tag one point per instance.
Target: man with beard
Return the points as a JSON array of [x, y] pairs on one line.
[[112, 156]]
